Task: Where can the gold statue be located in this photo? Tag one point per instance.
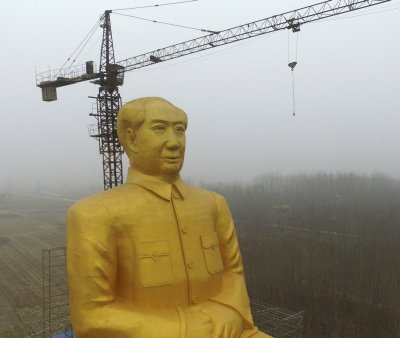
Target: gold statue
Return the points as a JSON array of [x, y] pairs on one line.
[[155, 257]]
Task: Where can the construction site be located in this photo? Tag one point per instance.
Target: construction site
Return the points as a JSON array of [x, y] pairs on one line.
[[33, 277], [33, 258]]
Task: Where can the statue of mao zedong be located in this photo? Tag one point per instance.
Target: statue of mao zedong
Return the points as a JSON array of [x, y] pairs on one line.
[[155, 257]]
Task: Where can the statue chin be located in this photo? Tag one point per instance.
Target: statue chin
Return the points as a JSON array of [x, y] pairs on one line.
[[166, 168]]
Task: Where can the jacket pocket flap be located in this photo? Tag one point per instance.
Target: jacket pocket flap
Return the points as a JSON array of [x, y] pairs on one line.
[[155, 264], [210, 241], [153, 249], [211, 252]]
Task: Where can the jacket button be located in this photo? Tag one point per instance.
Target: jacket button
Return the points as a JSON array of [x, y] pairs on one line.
[[185, 229], [195, 299], [190, 264], [155, 255]]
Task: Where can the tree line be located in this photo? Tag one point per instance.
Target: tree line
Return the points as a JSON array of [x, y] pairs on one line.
[[325, 243]]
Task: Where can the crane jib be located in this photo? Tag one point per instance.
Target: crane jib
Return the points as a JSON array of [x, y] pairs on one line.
[[110, 74], [288, 20]]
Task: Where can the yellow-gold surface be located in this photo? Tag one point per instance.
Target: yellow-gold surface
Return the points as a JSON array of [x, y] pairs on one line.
[[155, 257]]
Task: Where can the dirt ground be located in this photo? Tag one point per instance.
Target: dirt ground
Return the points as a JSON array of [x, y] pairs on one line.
[[28, 224]]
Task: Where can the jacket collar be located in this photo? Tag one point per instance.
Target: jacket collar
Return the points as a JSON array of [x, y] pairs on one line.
[[157, 186]]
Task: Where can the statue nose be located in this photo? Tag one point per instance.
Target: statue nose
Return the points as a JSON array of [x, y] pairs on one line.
[[172, 141], [173, 144]]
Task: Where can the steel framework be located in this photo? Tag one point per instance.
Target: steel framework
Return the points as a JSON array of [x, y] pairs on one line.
[[55, 292], [108, 104], [110, 74], [289, 20], [276, 321]]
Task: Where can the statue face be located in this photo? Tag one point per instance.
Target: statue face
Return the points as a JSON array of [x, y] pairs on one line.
[[158, 146]]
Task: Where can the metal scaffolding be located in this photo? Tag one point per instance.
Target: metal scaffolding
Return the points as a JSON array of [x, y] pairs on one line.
[[278, 322], [55, 293], [108, 104]]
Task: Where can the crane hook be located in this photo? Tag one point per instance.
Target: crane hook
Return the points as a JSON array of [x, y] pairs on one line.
[[292, 65]]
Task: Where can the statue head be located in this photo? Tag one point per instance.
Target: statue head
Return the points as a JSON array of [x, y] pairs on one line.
[[151, 131]]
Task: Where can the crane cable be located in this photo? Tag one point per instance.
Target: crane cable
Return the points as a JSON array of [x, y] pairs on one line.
[[80, 51], [204, 56], [168, 23], [95, 43], [84, 43], [89, 35], [293, 96], [293, 64], [157, 5], [236, 46], [388, 9]]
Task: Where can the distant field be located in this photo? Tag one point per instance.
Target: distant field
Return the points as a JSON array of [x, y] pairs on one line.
[[27, 225]]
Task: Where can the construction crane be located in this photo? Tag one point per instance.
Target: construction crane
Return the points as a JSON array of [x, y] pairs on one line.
[[110, 74]]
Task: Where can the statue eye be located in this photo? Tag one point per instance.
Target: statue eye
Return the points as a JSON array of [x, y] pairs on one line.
[[180, 130], [159, 128]]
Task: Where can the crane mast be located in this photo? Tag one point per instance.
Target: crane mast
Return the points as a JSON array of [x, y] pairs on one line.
[[111, 74], [108, 102]]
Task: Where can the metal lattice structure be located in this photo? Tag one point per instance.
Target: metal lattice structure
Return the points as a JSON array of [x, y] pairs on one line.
[[289, 20], [110, 73], [108, 104], [55, 293], [276, 321]]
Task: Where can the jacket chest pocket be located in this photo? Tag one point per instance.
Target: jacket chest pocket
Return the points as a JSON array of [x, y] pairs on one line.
[[155, 266], [212, 253]]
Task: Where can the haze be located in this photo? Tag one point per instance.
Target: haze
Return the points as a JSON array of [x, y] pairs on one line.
[[238, 98]]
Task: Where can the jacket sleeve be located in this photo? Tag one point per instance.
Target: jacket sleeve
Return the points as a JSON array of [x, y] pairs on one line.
[[95, 310], [234, 292]]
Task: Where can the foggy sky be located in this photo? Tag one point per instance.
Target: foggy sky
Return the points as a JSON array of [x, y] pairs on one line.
[[238, 98]]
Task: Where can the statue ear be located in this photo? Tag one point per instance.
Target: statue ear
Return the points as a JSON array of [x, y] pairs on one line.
[[131, 141]]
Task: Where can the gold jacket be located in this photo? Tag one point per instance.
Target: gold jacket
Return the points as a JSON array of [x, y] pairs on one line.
[[141, 253]]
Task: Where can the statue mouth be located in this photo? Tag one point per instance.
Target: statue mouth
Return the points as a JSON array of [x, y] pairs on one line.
[[172, 159]]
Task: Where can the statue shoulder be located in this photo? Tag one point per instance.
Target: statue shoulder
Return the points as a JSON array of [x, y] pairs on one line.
[[215, 201], [88, 206], [218, 198], [99, 204]]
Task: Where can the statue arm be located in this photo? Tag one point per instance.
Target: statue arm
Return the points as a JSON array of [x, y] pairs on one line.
[[234, 292], [95, 310]]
